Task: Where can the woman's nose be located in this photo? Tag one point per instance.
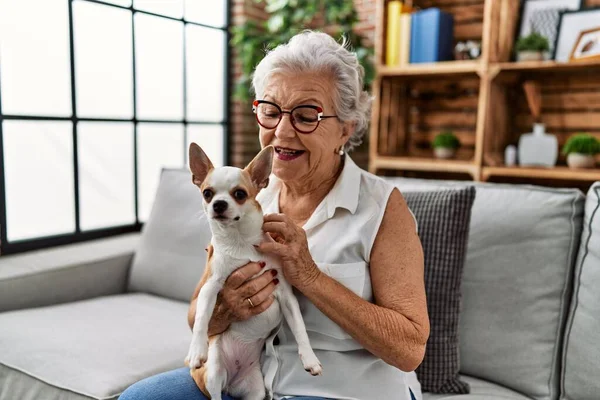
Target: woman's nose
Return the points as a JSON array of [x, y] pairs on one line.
[[285, 129]]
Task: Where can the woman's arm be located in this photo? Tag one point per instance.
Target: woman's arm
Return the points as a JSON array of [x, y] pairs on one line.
[[396, 327]]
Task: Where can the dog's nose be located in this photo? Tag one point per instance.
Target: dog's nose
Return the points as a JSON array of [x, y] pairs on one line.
[[220, 206]]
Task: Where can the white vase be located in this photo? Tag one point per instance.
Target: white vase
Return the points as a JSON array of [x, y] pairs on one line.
[[444, 152], [530, 55], [578, 160], [538, 148]]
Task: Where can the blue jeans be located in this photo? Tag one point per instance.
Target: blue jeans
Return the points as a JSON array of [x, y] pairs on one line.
[[174, 385]]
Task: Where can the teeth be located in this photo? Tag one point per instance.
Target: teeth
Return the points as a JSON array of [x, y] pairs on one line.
[[285, 151]]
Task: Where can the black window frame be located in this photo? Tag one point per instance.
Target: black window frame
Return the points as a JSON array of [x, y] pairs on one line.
[[25, 245]]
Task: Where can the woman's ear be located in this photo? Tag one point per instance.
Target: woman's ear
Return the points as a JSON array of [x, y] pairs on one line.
[[348, 129]]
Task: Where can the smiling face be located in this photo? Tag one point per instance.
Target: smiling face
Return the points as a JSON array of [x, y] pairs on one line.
[[303, 158]]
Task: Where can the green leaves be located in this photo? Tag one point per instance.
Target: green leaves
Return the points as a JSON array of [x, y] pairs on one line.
[[582, 143], [287, 18], [532, 42], [447, 140]]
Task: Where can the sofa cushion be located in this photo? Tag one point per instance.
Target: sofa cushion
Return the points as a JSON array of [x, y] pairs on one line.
[[581, 351], [522, 246], [445, 250], [171, 253], [480, 390], [91, 349]]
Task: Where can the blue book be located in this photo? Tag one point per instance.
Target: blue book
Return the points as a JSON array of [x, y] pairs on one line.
[[432, 36]]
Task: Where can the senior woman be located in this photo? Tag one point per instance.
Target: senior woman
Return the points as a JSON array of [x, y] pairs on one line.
[[346, 238]]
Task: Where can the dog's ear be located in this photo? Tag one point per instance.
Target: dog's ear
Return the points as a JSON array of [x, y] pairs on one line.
[[200, 164], [260, 167]]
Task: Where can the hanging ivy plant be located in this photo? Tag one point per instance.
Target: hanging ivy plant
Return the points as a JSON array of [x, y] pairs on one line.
[[287, 18]]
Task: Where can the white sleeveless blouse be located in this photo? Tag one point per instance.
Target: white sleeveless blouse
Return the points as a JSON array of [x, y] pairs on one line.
[[340, 233]]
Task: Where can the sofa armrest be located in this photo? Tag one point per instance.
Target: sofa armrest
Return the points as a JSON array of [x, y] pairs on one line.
[[66, 273]]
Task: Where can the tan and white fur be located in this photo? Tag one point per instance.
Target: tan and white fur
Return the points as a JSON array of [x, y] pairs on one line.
[[230, 362]]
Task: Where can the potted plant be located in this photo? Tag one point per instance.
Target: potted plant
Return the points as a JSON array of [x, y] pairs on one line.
[[531, 47], [580, 150], [445, 145]]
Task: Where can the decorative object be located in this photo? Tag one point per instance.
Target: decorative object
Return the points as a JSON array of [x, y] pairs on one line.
[[580, 150], [531, 47], [587, 46], [510, 155], [538, 148], [570, 27], [467, 50], [250, 39], [545, 22], [445, 259], [445, 145], [543, 16]]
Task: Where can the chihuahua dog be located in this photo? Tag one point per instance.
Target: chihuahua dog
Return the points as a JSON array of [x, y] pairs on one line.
[[230, 362]]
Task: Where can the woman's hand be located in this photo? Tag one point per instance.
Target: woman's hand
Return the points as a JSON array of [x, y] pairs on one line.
[[232, 302], [291, 247]]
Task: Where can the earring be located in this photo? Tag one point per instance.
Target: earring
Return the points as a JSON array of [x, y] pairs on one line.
[[340, 151]]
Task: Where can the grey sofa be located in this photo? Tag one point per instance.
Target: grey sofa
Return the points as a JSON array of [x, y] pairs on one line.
[[85, 321]]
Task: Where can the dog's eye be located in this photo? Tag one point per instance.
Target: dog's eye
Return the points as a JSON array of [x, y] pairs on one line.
[[207, 193], [240, 194]]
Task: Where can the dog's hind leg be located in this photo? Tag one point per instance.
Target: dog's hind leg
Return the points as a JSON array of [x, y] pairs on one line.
[[251, 387], [216, 373]]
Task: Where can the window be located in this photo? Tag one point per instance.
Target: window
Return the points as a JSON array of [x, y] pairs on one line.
[[96, 97]]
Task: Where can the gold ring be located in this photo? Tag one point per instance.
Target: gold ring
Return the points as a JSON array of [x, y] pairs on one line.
[[250, 301]]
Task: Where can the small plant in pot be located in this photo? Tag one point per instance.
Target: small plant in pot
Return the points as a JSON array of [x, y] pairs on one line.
[[531, 47], [580, 150], [445, 145]]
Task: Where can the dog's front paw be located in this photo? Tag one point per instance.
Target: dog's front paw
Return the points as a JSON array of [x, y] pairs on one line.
[[198, 353], [311, 363]]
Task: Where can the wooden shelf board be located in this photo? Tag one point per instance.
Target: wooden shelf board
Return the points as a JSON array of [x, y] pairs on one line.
[[559, 173], [424, 164], [439, 68], [549, 66]]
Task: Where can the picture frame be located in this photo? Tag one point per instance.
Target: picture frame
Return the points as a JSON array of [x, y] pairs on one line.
[[543, 16], [587, 46], [529, 7], [570, 27]]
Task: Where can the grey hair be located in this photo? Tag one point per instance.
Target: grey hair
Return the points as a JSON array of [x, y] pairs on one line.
[[311, 51]]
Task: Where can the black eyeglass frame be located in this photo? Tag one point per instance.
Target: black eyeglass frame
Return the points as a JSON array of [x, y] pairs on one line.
[[319, 110]]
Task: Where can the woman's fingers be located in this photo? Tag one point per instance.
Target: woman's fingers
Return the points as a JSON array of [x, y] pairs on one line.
[[262, 306], [272, 248], [264, 293], [242, 274], [253, 286], [278, 228], [275, 218]]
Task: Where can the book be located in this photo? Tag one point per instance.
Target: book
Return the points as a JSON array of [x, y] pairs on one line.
[[432, 36], [405, 34], [395, 9]]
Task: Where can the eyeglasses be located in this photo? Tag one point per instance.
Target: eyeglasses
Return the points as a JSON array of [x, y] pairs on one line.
[[304, 118]]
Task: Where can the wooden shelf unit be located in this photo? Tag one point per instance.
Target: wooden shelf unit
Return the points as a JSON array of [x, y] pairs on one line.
[[563, 173], [481, 101]]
